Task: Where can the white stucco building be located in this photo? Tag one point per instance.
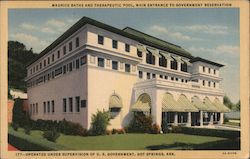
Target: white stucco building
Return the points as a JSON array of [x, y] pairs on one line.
[[94, 66]]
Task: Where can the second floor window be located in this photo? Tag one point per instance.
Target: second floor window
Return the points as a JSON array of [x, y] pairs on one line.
[[150, 58], [114, 44], [127, 47], [100, 62], [174, 65], [127, 67], [162, 61], [58, 54], [64, 50], [184, 67], [100, 39], [140, 74], [70, 46], [77, 42]]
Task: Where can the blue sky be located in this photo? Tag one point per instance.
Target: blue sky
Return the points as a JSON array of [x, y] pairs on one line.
[[209, 33]]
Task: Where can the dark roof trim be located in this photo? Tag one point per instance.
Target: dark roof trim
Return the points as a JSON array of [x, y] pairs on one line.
[[86, 20], [206, 61]]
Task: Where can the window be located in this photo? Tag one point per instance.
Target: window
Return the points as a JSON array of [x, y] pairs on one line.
[[77, 104], [127, 47], [44, 107], [203, 68], [203, 82], [184, 67], [70, 104], [214, 84], [48, 76], [83, 60], [100, 62], [127, 67], [209, 70], [58, 54], [209, 84], [153, 75], [139, 53], [100, 39], [77, 63], [48, 60], [36, 108], [182, 80], [64, 50], [77, 42], [53, 74], [48, 106], [114, 44], [186, 81], [161, 76], [140, 74], [162, 61], [214, 72], [53, 57], [172, 78], [40, 65], [148, 75], [150, 58], [44, 63], [70, 46], [58, 71], [64, 69], [30, 71], [30, 109], [114, 65], [176, 79], [166, 77], [174, 65], [70, 67], [52, 106], [36, 67], [64, 105], [83, 103]]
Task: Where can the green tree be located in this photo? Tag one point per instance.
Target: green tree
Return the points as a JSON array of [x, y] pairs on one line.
[[18, 58], [99, 122], [227, 102], [237, 106], [19, 117]]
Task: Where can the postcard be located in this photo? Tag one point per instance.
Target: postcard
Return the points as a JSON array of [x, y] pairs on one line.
[[124, 79]]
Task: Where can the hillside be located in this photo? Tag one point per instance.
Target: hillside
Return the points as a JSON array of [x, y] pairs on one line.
[[18, 58]]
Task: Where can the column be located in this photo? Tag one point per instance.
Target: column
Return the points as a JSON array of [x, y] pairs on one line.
[[144, 55], [176, 119], [201, 118], [178, 66], [168, 63], [221, 118], [189, 119], [211, 121], [157, 60], [156, 107]]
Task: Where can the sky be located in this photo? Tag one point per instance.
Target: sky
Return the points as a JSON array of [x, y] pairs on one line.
[[212, 34]]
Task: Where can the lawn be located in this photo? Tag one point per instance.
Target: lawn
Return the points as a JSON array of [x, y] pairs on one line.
[[136, 141]]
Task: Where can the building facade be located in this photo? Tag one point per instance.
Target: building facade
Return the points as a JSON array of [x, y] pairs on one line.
[[94, 66]]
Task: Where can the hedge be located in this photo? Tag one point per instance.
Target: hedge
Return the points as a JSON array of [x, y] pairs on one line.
[[28, 143], [232, 134]]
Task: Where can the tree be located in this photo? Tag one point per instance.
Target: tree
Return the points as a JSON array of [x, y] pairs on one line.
[[19, 117], [227, 102], [99, 122], [237, 106]]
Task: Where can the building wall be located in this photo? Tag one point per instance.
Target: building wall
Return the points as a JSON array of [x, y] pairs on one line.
[[69, 85]]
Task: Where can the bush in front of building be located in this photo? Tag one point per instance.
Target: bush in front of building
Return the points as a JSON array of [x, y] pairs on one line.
[[118, 131], [175, 129], [140, 124], [27, 129], [51, 135], [15, 126], [155, 129], [99, 123]]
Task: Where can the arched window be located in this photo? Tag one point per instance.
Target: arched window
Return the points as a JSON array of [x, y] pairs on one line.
[[143, 104], [162, 61], [174, 64], [115, 105], [184, 67], [150, 58]]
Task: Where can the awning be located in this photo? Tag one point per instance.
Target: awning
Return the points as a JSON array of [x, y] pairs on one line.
[[115, 102], [178, 59], [187, 62], [186, 104], [210, 105], [141, 48], [221, 106], [166, 55], [200, 105], [153, 51], [143, 103], [170, 105]]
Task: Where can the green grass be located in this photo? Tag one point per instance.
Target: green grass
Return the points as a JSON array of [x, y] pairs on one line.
[[232, 123], [133, 141]]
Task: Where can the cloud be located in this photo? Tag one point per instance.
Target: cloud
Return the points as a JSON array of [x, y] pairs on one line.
[[30, 41], [221, 49], [176, 35], [28, 26], [47, 30], [208, 29], [55, 23]]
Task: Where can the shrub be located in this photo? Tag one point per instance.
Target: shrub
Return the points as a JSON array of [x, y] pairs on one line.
[[175, 129], [15, 126], [114, 131], [99, 122], [27, 129], [140, 124], [108, 132], [51, 135], [155, 129], [19, 116]]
